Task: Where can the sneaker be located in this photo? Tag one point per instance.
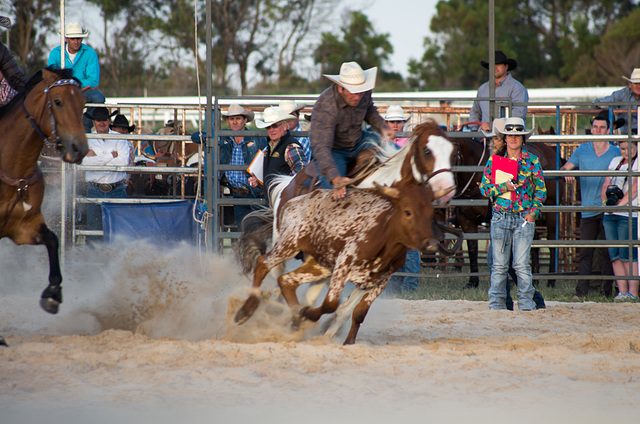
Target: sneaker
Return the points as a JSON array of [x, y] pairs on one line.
[[620, 297], [632, 297]]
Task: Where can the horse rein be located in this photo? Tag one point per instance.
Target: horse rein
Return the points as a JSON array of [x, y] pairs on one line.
[[484, 151]]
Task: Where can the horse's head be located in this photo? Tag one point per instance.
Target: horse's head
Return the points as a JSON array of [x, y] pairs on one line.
[[431, 160], [55, 105]]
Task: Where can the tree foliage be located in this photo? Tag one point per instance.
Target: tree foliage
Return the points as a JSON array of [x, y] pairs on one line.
[[549, 39]]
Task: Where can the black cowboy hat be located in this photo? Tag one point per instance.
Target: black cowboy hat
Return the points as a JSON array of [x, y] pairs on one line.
[[501, 58], [99, 114], [121, 121]]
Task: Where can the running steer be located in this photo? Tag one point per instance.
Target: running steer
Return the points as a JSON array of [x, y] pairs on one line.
[[362, 238]]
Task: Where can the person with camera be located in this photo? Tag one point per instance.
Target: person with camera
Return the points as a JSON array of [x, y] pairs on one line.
[[592, 156], [615, 192]]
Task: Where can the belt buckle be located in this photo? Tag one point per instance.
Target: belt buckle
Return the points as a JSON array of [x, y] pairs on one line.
[[105, 188]]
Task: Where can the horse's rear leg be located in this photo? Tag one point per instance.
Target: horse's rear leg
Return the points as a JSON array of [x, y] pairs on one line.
[[474, 280], [52, 296]]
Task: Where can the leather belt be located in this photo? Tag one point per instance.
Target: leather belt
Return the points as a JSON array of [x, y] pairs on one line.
[[107, 187]]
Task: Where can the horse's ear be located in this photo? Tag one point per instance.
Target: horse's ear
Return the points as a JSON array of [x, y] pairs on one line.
[[49, 77], [553, 130]]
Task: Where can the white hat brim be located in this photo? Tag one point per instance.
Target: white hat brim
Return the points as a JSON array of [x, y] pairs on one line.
[[283, 118], [368, 84]]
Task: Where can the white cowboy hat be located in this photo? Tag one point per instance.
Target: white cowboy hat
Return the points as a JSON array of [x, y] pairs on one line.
[[273, 115], [635, 76], [290, 106], [74, 30], [497, 128], [236, 110], [395, 113], [514, 126], [354, 79]]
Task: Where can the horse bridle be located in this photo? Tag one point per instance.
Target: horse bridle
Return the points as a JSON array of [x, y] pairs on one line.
[[53, 140]]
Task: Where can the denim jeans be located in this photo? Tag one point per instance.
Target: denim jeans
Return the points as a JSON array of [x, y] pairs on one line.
[[91, 96], [344, 157], [616, 227], [510, 238], [94, 211], [399, 284]]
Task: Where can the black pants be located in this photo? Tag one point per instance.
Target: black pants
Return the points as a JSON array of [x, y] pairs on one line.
[[592, 229]]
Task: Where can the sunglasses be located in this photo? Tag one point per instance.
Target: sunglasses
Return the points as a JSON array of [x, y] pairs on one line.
[[514, 128], [274, 126]]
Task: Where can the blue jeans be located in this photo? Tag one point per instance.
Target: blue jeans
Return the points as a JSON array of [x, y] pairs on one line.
[[94, 211], [91, 96], [407, 284], [616, 227], [344, 157], [510, 238]]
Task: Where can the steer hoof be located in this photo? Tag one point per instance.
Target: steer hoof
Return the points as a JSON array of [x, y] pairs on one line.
[[3, 342], [50, 305], [247, 310]]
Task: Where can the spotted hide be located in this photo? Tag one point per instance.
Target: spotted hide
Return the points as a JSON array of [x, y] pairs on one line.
[[362, 238]]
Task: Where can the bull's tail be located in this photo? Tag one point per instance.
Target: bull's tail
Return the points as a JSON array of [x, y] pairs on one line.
[[256, 238]]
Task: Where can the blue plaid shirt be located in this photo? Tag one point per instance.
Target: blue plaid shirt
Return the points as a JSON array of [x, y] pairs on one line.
[[237, 178]]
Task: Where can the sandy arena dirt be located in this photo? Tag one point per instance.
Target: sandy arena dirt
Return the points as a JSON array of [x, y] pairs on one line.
[[144, 337]]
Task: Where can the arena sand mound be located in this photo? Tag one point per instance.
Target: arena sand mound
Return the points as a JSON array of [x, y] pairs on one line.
[[145, 336]]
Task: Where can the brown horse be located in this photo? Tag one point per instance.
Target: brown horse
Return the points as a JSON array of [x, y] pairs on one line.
[[48, 112], [470, 152]]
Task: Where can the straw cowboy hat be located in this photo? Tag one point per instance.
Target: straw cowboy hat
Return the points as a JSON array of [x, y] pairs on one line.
[[290, 106], [273, 115], [237, 110], [354, 79], [501, 58], [121, 121], [514, 126], [635, 76], [395, 113], [74, 30], [497, 128], [100, 114]]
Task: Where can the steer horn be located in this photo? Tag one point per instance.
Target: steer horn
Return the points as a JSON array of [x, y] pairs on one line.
[[441, 193]]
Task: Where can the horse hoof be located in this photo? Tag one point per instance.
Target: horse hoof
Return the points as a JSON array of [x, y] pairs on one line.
[[50, 305], [3, 342], [247, 310]]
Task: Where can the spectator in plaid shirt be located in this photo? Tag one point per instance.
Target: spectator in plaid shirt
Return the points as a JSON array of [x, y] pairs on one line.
[[239, 150]]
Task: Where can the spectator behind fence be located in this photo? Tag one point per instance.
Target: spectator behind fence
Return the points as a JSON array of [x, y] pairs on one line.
[[240, 150], [506, 87], [396, 120], [336, 129], [284, 154], [592, 156], [289, 106], [517, 203], [615, 191], [104, 184], [83, 60], [627, 94]]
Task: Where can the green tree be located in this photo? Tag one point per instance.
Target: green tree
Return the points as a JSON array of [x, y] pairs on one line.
[[359, 42], [34, 21], [547, 37]]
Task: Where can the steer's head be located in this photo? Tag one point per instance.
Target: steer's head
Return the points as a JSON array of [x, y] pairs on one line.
[[413, 215]]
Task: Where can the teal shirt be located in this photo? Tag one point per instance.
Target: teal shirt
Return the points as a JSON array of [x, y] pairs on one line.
[[85, 67]]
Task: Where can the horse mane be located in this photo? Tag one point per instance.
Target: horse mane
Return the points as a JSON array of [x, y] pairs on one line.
[[33, 81], [392, 158]]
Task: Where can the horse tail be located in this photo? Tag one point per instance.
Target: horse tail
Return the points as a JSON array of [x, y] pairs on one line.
[[257, 230]]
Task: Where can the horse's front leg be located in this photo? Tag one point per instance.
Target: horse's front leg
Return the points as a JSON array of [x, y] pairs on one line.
[[52, 296]]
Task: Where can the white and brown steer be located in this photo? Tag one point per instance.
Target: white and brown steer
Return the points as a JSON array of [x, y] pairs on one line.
[[362, 238]]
